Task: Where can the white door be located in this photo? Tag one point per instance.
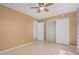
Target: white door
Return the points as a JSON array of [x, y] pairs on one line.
[[35, 30], [51, 31], [41, 31], [62, 31]]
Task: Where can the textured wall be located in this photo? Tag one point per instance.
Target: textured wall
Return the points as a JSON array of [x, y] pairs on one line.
[[15, 28]]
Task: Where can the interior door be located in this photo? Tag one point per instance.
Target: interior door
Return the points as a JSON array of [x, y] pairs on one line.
[[41, 31], [35, 30], [62, 31], [51, 31]]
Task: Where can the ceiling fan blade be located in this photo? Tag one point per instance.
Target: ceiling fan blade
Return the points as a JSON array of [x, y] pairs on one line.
[[49, 4], [46, 10], [41, 4], [34, 7]]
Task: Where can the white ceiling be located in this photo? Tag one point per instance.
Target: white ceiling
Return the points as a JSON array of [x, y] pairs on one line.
[[55, 9]]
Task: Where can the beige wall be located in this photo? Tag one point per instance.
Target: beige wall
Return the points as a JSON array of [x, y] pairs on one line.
[[15, 28], [73, 25]]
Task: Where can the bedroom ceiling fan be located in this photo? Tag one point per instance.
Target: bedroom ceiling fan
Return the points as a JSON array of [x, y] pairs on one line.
[[42, 7]]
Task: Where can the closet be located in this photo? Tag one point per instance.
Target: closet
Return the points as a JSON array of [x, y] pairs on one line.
[[59, 31]]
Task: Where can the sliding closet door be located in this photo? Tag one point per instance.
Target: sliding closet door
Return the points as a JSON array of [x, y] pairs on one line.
[[51, 32], [62, 31]]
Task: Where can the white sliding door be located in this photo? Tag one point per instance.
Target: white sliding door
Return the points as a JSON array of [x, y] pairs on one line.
[[62, 31], [51, 31]]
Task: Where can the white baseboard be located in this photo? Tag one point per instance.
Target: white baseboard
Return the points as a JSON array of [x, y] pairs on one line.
[[15, 47]]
